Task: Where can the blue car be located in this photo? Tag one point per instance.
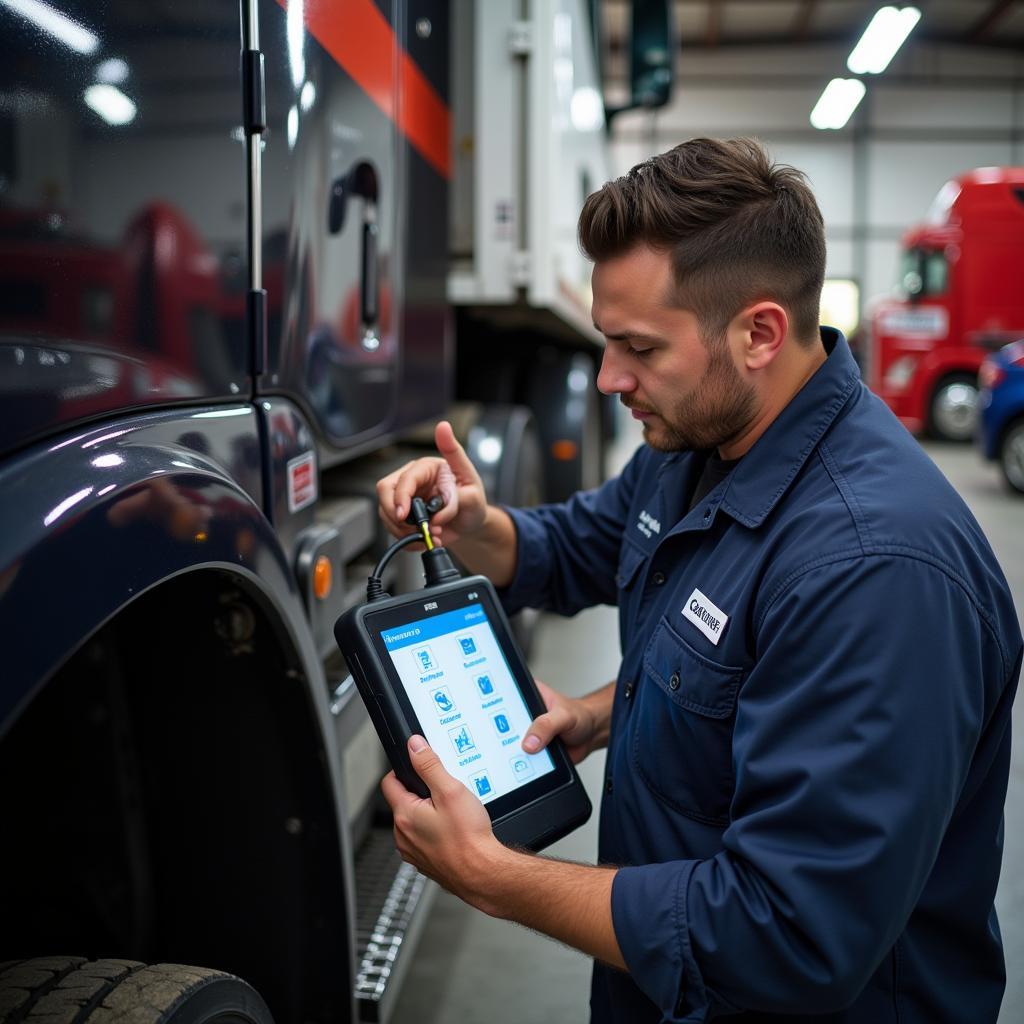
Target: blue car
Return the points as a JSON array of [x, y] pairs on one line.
[[1001, 407]]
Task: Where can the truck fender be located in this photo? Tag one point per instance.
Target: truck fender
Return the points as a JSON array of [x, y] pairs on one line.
[[93, 521]]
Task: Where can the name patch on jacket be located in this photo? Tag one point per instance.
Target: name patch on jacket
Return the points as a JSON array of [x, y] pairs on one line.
[[705, 615]]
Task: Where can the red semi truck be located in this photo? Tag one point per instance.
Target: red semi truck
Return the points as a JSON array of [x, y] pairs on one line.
[[960, 297]]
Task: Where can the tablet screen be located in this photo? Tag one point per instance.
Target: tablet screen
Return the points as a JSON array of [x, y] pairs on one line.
[[464, 694]]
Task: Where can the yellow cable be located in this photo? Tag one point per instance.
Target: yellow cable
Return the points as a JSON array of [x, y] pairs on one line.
[[425, 530]]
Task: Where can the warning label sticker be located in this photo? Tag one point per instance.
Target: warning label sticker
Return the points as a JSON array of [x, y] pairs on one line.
[[301, 482]]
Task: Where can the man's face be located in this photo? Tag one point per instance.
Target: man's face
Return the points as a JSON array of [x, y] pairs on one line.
[[687, 393]]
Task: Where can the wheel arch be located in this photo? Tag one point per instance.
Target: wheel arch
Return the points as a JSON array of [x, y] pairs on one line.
[[100, 598]]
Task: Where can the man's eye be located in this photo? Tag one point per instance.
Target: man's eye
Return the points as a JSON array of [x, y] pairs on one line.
[[641, 352]]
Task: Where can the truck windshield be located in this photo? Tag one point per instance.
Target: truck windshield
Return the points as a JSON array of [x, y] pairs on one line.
[[923, 272]]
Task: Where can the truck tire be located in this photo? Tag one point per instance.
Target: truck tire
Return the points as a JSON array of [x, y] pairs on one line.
[[954, 407], [73, 990], [512, 474], [1011, 457]]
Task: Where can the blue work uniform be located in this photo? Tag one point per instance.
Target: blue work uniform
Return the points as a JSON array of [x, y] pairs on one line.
[[810, 737]]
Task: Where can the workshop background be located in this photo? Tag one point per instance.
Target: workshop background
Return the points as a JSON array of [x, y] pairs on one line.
[[250, 252], [951, 100]]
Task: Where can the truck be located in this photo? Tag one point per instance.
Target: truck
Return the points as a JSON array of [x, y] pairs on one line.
[[249, 253], [958, 299]]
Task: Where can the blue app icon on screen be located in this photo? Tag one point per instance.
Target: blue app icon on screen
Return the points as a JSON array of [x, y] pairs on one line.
[[501, 723], [468, 645], [485, 685]]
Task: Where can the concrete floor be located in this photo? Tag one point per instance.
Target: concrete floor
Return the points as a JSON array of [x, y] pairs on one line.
[[471, 968]]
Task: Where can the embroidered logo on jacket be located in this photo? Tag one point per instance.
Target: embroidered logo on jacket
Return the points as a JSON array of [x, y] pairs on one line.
[[705, 615], [647, 524]]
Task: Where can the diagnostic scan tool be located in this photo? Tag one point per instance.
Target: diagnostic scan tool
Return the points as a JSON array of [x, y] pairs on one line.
[[442, 662]]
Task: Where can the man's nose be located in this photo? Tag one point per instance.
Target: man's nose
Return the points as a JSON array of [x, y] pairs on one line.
[[614, 378]]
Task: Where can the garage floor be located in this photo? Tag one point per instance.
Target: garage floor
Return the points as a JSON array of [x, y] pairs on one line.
[[471, 968]]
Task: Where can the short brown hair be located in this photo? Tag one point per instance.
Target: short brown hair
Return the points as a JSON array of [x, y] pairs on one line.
[[738, 227]]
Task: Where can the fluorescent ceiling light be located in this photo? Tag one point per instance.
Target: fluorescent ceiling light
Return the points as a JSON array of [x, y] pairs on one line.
[[110, 103], [882, 38], [837, 103], [58, 25], [112, 71]]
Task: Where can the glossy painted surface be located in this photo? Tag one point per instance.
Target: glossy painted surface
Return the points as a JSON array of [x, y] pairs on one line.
[[121, 246], [92, 519], [1003, 403], [356, 380]]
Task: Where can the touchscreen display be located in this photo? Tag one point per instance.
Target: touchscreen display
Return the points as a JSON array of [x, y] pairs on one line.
[[466, 699]]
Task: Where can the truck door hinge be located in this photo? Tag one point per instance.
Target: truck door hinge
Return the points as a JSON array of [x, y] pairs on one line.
[[256, 318], [520, 39], [521, 269], [254, 93]]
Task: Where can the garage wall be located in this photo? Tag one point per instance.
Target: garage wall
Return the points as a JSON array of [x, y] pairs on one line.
[[936, 112]]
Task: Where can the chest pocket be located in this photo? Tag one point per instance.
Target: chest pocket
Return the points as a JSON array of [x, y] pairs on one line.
[[682, 727], [630, 559]]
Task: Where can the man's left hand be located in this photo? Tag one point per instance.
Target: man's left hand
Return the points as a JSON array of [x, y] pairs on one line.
[[448, 836]]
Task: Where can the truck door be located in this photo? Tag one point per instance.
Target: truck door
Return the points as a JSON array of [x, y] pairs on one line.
[[348, 222]]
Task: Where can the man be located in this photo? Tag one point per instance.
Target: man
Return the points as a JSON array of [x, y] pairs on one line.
[[808, 740]]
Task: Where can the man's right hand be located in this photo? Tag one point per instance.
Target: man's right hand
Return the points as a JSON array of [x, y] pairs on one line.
[[576, 721], [452, 476]]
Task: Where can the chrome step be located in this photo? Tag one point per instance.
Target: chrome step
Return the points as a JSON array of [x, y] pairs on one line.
[[393, 899]]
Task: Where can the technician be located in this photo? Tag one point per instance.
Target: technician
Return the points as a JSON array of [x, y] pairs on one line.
[[809, 736]]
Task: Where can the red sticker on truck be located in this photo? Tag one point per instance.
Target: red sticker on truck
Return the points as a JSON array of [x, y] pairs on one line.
[[301, 482]]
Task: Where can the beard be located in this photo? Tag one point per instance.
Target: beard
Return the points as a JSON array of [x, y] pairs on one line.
[[714, 413]]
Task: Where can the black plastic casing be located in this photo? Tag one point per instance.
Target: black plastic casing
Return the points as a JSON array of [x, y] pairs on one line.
[[547, 809]]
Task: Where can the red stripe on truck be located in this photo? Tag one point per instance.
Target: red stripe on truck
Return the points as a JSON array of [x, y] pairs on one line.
[[359, 38]]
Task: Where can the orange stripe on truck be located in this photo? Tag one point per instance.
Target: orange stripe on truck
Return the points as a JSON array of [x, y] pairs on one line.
[[359, 38]]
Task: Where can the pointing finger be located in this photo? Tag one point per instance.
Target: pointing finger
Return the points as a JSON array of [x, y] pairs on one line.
[[453, 452]]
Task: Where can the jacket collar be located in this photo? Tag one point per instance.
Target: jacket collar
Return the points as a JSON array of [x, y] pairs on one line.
[[764, 474]]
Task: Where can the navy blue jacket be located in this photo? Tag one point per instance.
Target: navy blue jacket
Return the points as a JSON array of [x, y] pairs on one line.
[[811, 729]]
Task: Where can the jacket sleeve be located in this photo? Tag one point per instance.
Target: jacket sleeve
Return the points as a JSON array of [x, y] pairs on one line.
[[567, 553], [855, 730]]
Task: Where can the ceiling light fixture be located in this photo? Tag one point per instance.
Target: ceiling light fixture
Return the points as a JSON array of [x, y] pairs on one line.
[[885, 34], [58, 25], [837, 103]]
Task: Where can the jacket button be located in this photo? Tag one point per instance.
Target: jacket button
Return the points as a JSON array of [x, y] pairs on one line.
[[673, 683], [659, 578], [608, 787], [707, 512], [628, 691]]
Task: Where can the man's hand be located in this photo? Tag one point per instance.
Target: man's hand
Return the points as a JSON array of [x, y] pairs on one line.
[[582, 723], [453, 477], [448, 837]]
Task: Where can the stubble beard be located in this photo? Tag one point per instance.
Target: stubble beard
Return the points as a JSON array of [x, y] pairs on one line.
[[716, 412]]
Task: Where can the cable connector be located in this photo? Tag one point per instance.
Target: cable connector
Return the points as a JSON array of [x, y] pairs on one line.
[[438, 566], [437, 563]]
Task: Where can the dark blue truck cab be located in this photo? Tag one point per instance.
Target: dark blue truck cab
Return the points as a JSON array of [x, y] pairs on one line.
[[225, 310]]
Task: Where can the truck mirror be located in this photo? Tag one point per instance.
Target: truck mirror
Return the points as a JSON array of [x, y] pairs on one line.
[[912, 283], [913, 279], [651, 56], [651, 53]]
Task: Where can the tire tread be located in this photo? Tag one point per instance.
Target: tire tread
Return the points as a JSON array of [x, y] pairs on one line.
[[73, 990]]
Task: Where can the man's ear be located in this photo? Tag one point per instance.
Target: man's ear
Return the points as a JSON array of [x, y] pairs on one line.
[[763, 328]]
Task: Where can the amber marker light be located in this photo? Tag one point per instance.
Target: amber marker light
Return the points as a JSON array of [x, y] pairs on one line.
[[323, 577], [565, 451]]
